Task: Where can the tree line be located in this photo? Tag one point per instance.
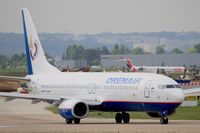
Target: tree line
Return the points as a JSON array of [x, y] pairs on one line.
[[92, 55], [13, 61], [17, 60]]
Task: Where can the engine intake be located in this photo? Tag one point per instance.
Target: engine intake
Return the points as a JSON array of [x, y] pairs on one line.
[[74, 108]]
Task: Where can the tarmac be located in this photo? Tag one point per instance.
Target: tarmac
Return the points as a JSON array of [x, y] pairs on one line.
[[19, 116]]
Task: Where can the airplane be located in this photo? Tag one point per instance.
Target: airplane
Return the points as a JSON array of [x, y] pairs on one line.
[[78, 93], [82, 69], [154, 69]]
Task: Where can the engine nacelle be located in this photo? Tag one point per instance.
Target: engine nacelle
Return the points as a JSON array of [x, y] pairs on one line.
[[74, 108]]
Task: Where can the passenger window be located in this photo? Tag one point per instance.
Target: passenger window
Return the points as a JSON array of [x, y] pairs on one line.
[[177, 86]]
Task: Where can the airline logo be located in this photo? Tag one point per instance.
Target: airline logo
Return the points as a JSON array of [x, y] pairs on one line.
[[116, 80], [33, 46], [129, 63]]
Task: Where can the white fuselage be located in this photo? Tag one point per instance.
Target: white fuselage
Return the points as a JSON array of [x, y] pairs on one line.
[[137, 88]]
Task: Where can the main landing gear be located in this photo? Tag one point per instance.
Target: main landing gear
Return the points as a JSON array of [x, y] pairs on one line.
[[163, 120], [122, 116], [76, 121]]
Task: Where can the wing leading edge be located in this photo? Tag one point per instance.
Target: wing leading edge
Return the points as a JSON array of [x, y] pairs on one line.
[[46, 97]]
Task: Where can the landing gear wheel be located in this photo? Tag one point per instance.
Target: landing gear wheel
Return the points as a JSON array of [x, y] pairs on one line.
[[126, 117], [166, 120], [68, 121], [77, 121], [163, 120], [118, 118]]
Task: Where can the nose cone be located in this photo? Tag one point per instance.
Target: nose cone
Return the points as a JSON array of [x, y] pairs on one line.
[[178, 95]]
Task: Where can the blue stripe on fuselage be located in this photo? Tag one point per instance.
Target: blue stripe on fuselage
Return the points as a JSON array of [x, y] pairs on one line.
[[28, 59], [138, 106]]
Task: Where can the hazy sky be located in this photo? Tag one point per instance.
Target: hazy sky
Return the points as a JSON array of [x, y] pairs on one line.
[[94, 16]]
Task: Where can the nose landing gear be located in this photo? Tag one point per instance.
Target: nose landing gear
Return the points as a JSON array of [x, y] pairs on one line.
[[122, 116], [163, 120], [164, 114], [69, 121]]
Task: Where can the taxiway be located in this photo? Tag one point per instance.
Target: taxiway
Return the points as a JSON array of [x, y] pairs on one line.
[[19, 116], [54, 123]]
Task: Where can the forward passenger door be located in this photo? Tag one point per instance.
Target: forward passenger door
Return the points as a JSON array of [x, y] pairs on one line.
[[147, 89]]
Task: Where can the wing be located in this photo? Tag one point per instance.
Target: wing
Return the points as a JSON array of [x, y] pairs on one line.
[[28, 96], [41, 97], [192, 92]]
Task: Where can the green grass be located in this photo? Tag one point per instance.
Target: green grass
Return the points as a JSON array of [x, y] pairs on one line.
[[182, 113], [187, 113], [53, 109], [13, 71]]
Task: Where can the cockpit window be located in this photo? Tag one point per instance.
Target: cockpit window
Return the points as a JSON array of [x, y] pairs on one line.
[[168, 86], [177, 86]]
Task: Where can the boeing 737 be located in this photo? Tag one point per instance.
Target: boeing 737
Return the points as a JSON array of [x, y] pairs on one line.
[[77, 93]]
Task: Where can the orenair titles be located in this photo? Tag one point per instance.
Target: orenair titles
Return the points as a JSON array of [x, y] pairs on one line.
[[115, 80]]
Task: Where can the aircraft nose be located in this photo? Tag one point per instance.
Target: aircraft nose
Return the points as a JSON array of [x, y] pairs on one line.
[[179, 97]]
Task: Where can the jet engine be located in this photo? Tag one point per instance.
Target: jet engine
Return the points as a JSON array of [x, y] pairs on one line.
[[74, 108]]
